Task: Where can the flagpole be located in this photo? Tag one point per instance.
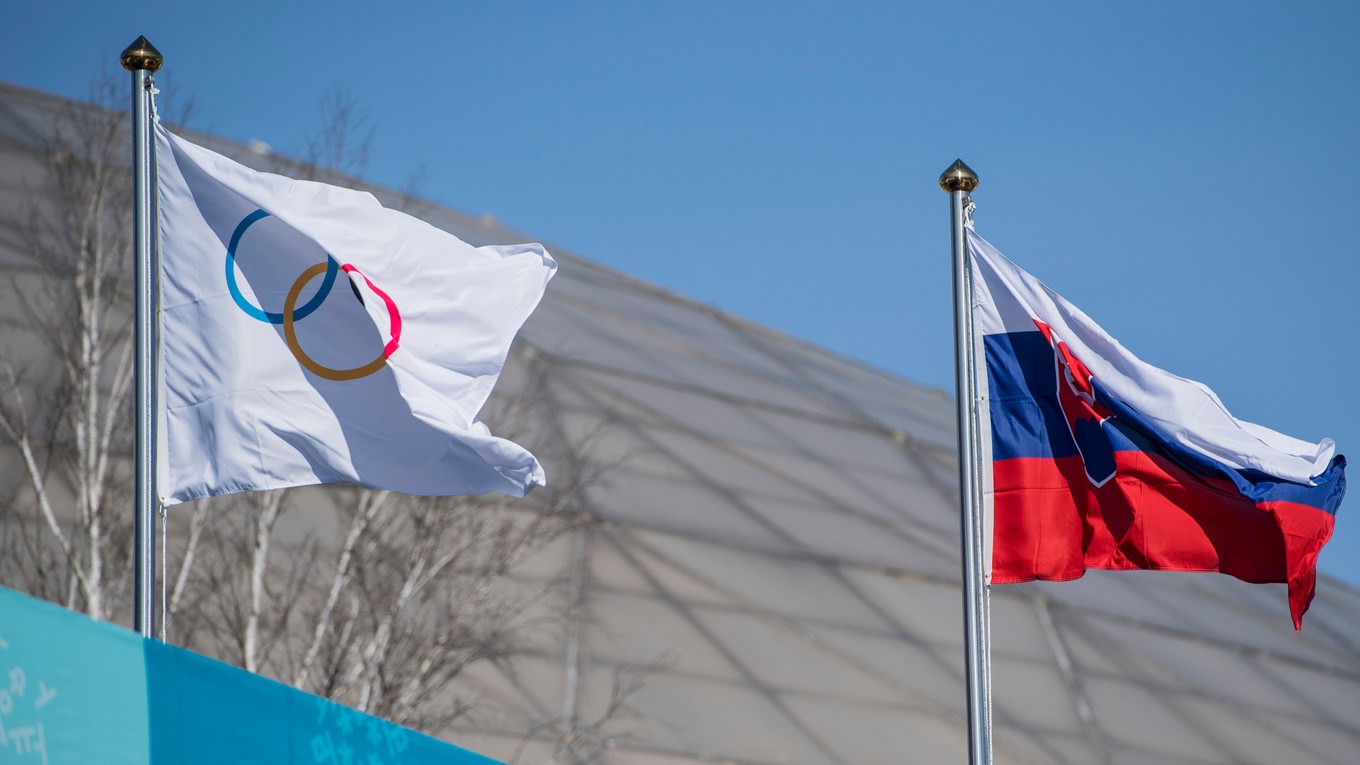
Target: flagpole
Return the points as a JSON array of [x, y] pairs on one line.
[[958, 180], [142, 59]]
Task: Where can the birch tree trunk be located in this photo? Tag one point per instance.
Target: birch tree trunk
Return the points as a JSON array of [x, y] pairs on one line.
[[67, 409]]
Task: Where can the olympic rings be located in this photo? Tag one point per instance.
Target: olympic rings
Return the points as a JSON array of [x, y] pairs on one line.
[[291, 313]]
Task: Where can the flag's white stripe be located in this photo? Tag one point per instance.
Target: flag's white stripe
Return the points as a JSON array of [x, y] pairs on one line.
[[1006, 299]]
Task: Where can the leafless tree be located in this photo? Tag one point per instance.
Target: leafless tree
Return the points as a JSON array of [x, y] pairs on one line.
[[581, 741], [344, 145], [67, 364]]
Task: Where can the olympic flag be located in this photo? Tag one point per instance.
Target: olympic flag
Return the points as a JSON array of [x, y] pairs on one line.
[[1100, 460], [310, 335]]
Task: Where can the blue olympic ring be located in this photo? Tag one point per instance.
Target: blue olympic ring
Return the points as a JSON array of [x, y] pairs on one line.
[[255, 311]]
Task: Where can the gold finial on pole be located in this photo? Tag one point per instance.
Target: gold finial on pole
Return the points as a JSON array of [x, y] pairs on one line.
[[959, 177], [141, 54]]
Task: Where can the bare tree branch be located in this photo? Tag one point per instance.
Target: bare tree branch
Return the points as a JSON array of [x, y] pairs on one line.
[[367, 505]]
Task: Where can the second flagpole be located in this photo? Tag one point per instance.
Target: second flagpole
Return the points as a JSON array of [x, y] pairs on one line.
[[959, 180], [142, 59]]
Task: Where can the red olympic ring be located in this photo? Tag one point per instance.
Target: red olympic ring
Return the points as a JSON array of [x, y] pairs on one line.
[[290, 334]]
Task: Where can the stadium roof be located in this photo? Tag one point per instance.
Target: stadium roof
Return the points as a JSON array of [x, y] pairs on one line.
[[776, 540]]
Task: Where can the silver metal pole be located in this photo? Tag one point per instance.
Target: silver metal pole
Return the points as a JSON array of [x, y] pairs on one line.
[[958, 181], [142, 59]]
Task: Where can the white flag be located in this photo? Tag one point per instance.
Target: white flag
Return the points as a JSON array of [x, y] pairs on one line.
[[310, 335]]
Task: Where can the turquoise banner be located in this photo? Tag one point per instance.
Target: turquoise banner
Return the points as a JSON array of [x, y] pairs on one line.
[[73, 689], [78, 691]]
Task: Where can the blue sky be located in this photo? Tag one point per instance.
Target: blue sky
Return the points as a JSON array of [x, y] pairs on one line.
[[1187, 173]]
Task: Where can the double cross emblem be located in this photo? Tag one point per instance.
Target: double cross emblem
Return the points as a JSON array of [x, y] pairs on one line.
[[1085, 415]]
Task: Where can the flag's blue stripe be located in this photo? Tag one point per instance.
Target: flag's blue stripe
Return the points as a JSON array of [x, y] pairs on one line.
[[1027, 423], [1022, 384]]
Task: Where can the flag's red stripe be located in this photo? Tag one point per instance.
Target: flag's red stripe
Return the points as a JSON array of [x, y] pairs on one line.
[[1051, 523]]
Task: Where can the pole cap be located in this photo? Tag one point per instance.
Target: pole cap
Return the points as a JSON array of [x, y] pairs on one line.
[[141, 54], [959, 177]]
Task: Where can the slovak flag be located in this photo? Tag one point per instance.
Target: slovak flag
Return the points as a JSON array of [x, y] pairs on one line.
[[1100, 460]]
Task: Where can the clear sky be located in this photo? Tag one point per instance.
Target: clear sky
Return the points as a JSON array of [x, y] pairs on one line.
[[1187, 173]]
